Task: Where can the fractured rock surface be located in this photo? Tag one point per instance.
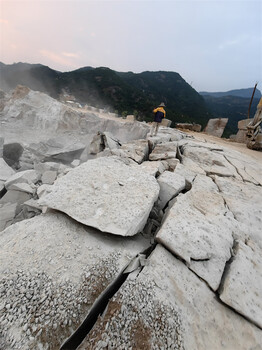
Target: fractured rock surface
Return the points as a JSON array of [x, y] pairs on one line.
[[107, 194], [52, 270], [168, 307], [243, 281], [199, 229], [245, 201]]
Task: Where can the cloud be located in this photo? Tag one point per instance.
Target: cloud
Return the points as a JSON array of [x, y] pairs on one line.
[[4, 21], [70, 54], [234, 42], [59, 58]]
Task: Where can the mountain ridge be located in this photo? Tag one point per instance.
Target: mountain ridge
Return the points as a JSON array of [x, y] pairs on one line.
[[244, 93], [121, 92]]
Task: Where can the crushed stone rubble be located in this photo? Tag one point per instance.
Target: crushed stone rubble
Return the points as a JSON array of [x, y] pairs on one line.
[[35, 309], [137, 321]]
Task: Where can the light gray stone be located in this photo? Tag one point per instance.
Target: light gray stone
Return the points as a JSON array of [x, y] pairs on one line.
[[27, 176], [245, 201], [171, 184], [13, 196], [130, 118], [107, 194], [43, 189], [216, 126], [242, 284], [75, 163], [2, 140], [199, 229], [23, 187], [110, 141], [164, 151], [136, 150], [154, 168], [49, 177], [188, 174], [7, 214], [46, 166], [212, 162], [5, 170], [33, 203]]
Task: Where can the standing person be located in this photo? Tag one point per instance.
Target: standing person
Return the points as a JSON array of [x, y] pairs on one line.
[[160, 113]]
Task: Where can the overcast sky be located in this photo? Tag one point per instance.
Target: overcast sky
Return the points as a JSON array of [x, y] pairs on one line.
[[213, 45]]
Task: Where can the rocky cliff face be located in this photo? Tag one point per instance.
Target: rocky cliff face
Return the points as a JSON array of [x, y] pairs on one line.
[[126, 241]]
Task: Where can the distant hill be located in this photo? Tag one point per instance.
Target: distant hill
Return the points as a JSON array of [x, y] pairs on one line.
[[245, 93], [126, 93]]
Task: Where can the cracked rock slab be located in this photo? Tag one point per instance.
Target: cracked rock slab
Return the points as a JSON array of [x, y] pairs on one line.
[[244, 200], [164, 151], [211, 161], [52, 270], [136, 150], [242, 286], [107, 194], [168, 307], [198, 228], [171, 184]]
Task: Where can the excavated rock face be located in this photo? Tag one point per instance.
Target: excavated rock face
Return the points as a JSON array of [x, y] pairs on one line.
[[178, 263]]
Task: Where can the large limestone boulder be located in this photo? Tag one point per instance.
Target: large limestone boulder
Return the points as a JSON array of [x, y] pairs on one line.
[[243, 280], [169, 307], [107, 194], [199, 228], [216, 126], [52, 270]]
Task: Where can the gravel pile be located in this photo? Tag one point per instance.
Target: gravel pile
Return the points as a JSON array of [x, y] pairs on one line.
[[36, 312], [135, 319]]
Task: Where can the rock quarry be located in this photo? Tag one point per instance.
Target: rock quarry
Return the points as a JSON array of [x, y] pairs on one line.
[[112, 239]]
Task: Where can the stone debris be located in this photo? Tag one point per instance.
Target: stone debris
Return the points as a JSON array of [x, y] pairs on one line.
[[164, 151], [137, 150], [23, 187], [85, 194], [189, 126], [241, 287], [49, 177], [5, 170], [27, 176]]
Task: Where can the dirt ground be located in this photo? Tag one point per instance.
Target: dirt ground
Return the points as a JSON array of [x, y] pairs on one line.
[[240, 147]]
